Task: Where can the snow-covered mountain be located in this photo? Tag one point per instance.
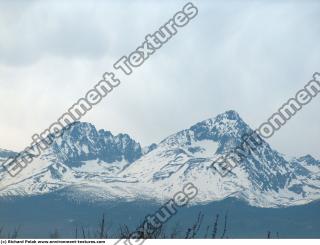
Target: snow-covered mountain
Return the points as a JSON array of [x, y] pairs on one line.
[[82, 142], [4, 154], [96, 165]]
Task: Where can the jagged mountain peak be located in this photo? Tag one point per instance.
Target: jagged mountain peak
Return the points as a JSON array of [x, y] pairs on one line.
[[230, 114], [308, 159], [6, 153], [110, 164], [227, 123], [81, 141], [226, 129]]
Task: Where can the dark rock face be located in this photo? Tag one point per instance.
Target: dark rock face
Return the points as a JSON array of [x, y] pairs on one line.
[[82, 142]]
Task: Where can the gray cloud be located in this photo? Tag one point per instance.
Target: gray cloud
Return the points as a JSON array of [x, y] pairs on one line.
[[250, 56]]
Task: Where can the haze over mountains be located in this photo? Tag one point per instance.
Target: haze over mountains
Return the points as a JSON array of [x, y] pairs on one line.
[[92, 165]]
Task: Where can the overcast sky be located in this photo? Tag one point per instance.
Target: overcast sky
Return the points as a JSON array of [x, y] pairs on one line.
[[250, 56]]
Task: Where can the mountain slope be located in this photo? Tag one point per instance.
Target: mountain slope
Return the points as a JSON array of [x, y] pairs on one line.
[[97, 165]]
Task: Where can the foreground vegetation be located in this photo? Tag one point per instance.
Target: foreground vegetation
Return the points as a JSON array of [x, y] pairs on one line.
[[217, 229]]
